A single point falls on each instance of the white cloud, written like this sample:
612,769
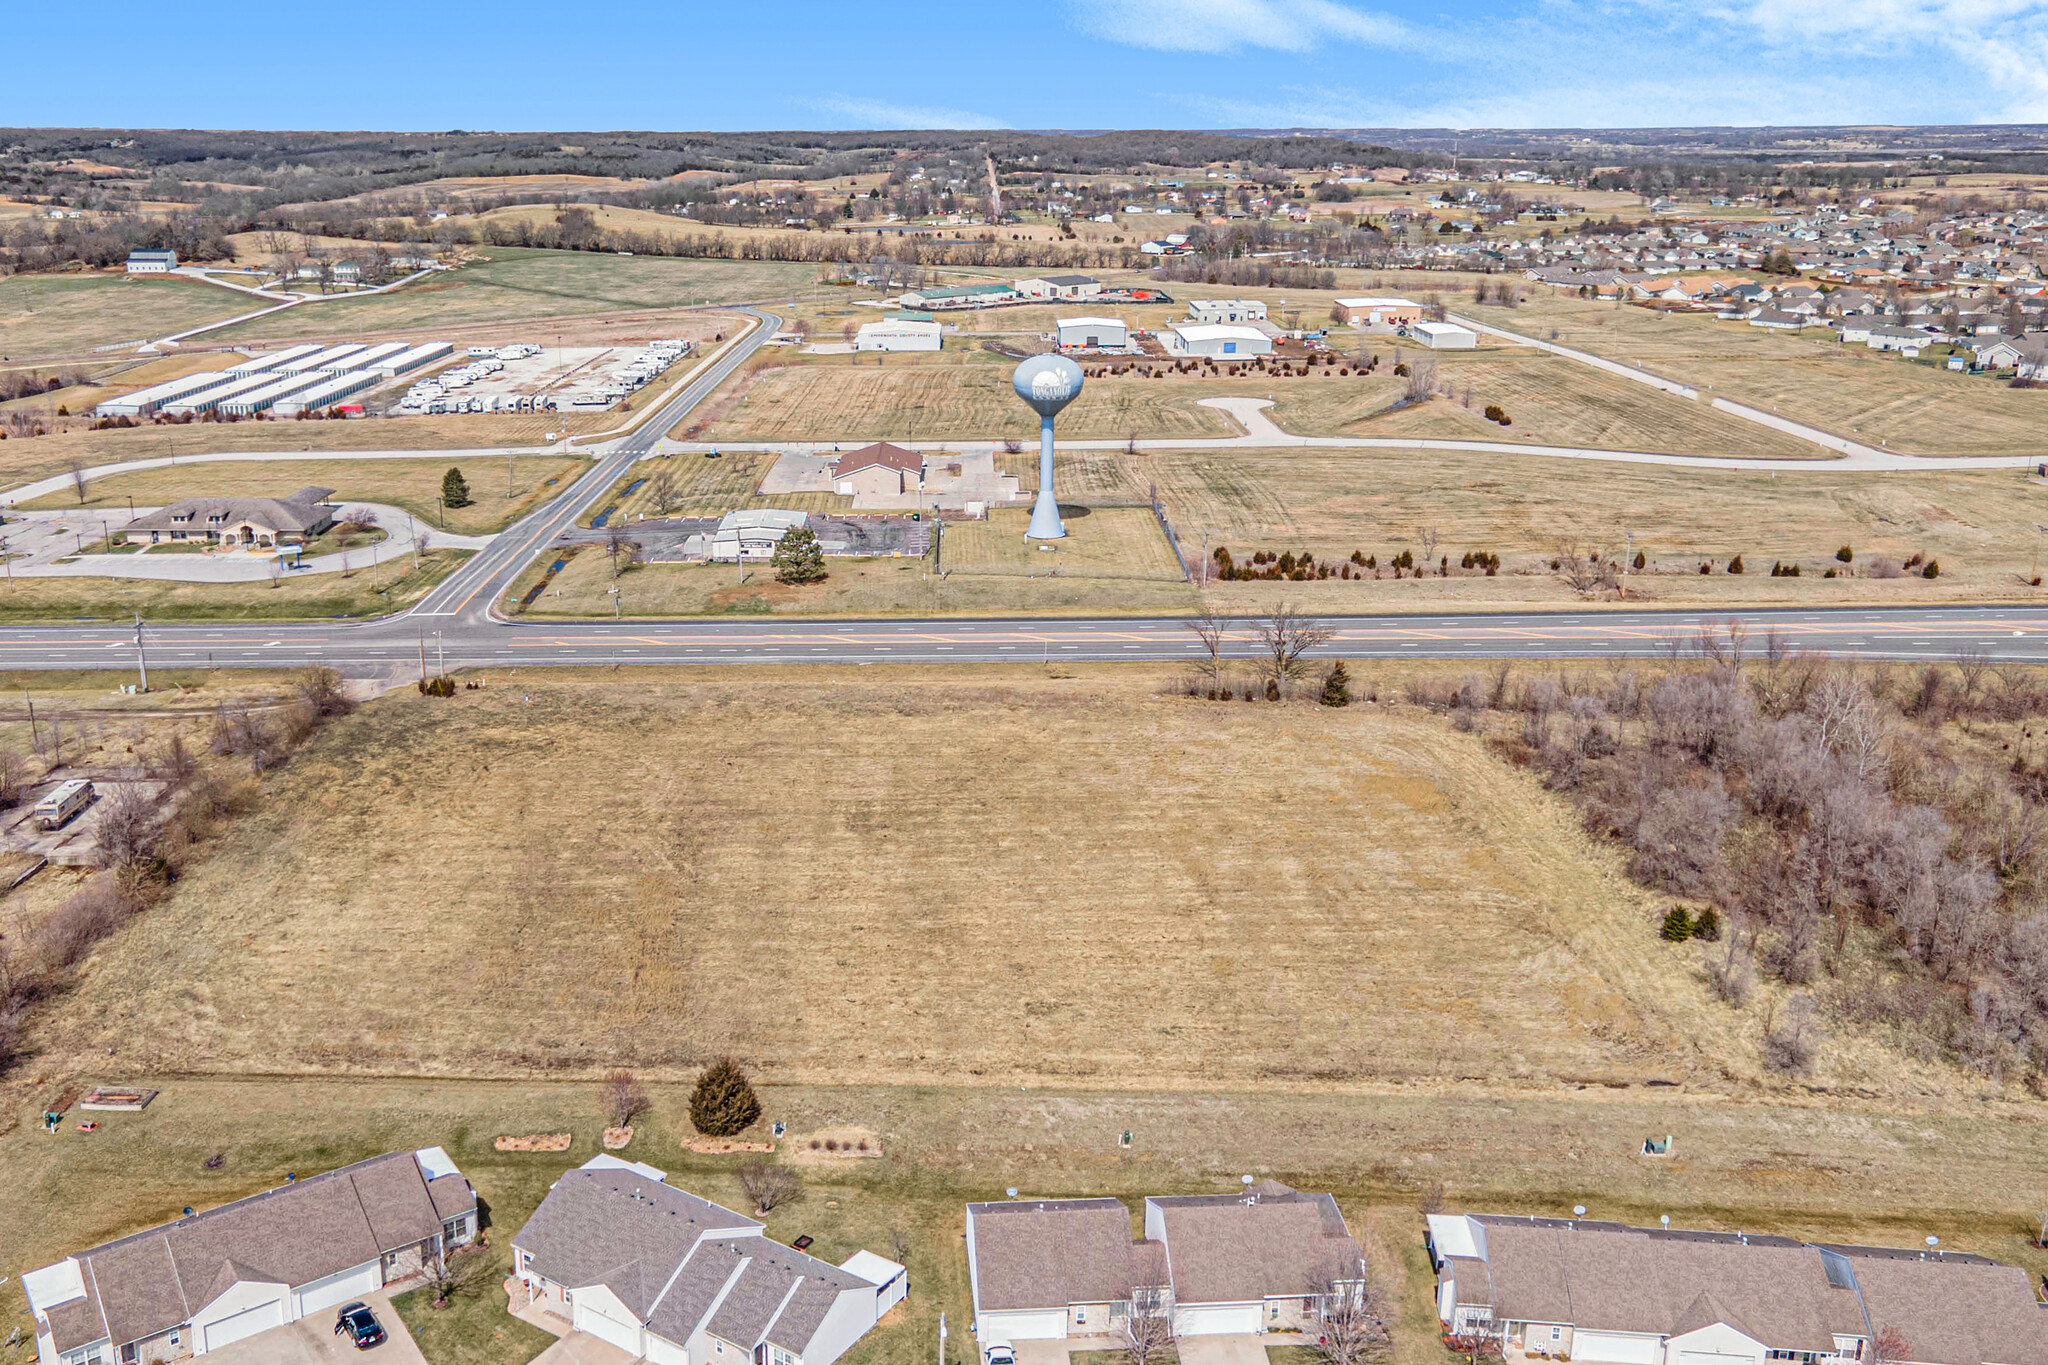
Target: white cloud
1227,25
881,115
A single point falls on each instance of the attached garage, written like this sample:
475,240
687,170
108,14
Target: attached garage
246,1323
625,1336
1626,1348
339,1289
1000,1329
1216,1319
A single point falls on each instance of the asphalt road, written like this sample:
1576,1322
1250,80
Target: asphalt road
392,647
456,624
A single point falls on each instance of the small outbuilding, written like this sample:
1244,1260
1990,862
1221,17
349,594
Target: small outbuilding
896,335
1379,312
1093,334
1220,341
1444,336
152,262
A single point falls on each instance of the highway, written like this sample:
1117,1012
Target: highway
457,621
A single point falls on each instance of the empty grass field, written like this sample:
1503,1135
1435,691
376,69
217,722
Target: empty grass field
68,315
511,284
1850,390
296,597
499,495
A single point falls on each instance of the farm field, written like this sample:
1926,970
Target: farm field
511,284
414,485
1850,390
48,316
299,597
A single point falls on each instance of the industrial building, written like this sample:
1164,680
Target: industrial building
264,364
143,402
1092,334
326,393
406,361
259,399
1219,341
1060,287
205,400
1226,310
898,336
152,262
324,361
1379,312
1443,336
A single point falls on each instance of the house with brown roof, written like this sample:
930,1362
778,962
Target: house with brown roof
1259,1261
298,516
212,1278
1607,1292
617,1252
878,470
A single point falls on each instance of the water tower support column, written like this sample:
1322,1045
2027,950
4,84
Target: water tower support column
1045,513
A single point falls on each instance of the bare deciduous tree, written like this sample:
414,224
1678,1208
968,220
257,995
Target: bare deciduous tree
1421,378
662,491
1147,1326
769,1186
1350,1326
457,1270
624,1097
1286,636
1212,631
127,829
77,469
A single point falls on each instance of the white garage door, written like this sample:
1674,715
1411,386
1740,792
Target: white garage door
622,1335
1214,1321
338,1289
246,1323
1624,1347
1000,1329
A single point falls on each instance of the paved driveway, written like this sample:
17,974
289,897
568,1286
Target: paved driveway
580,1348
311,1341
1229,1348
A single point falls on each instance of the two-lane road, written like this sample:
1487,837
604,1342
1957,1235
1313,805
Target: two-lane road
470,640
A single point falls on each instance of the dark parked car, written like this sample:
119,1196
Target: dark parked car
360,1324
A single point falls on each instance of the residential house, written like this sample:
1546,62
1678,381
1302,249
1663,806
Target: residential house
1607,1292
1264,1260
209,1279
1779,320
879,469
297,517
674,1279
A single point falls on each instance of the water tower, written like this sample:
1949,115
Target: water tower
1048,383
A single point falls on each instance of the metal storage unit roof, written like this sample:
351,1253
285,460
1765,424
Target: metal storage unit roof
326,393
368,359
207,399
412,359
156,395
257,399
260,364
319,359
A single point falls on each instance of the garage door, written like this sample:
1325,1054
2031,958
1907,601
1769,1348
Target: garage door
336,1289
1000,1329
1213,1321
246,1323
1624,1347
625,1336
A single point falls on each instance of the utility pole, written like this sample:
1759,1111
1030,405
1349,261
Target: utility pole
32,741
141,660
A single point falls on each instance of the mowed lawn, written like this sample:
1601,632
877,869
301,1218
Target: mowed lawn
500,490
1002,879
68,315
511,284
366,591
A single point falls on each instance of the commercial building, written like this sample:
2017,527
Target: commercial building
1443,336
961,296
213,1278
1226,310
1607,1292
143,402
269,363
299,516
898,336
878,469
1217,341
1060,287
152,262
1092,334
1379,312
409,360
326,393
322,361
670,1278
249,402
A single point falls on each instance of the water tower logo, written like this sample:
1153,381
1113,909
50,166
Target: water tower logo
1048,383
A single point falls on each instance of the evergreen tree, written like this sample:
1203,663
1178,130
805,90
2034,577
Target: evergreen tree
454,489
1336,686
1678,926
1707,925
723,1103
797,558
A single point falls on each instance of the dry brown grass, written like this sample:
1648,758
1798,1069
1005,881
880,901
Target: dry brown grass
364,591
1237,860
68,315
414,485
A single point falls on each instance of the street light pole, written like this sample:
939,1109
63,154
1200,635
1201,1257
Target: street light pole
141,659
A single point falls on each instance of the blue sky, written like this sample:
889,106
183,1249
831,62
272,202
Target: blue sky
519,64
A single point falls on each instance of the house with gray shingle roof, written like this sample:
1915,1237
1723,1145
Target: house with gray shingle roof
1259,1261
1607,1292
211,1278
617,1252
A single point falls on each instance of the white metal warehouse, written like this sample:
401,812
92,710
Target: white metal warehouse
893,335
1093,334
1219,341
